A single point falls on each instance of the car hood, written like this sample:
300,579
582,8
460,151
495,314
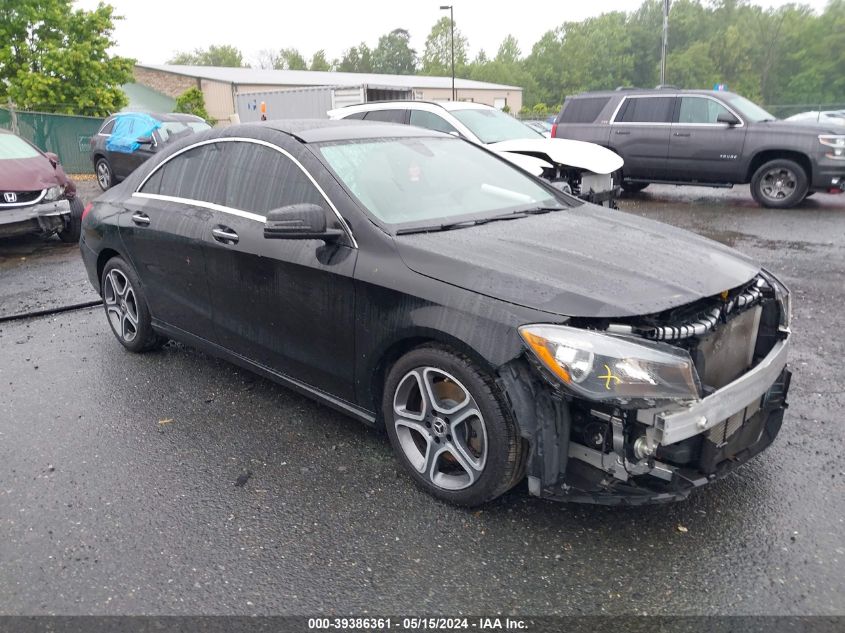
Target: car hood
531,164
583,262
29,174
589,156
799,127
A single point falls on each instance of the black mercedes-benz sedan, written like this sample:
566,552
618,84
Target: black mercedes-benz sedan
497,328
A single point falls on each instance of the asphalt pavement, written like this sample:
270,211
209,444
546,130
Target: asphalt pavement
119,476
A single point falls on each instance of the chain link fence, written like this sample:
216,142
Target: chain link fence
67,136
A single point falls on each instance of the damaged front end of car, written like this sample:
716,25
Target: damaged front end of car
646,409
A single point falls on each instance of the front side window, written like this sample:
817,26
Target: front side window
700,110
412,180
431,121
646,110
259,179
107,128
492,126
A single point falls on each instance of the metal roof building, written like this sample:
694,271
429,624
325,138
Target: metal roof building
221,86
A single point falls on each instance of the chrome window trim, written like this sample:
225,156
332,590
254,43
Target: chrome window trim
721,103
24,204
202,203
613,120
245,214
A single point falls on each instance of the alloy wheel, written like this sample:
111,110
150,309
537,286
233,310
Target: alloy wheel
440,428
103,174
121,305
778,184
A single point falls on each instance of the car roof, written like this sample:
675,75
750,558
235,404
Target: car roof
163,116
321,130
397,104
636,92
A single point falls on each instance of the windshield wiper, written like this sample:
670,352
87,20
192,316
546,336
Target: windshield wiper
448,226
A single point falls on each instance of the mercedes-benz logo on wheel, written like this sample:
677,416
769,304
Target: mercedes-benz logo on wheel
10,196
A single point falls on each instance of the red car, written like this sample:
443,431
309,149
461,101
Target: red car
36,196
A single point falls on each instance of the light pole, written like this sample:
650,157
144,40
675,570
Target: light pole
665,42
452,23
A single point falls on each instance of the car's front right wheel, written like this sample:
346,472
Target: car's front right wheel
450,428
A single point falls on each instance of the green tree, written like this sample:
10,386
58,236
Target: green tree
214,55
358,59
192,101
319,61
55,59
437,57
394,54
509,52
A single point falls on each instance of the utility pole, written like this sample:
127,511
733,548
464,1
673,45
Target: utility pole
665,42
452,23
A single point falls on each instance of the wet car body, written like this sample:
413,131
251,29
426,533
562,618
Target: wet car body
329,318
36,196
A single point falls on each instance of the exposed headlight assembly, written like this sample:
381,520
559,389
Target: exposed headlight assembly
53,193
613,369
837,142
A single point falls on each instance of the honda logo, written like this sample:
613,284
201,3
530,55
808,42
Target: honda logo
10,196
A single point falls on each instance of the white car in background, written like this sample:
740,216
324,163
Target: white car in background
830,117
583,169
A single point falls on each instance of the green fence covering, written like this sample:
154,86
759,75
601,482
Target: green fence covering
66,136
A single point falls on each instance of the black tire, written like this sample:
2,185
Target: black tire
70,234
104,173
779,184
634,187
808,194
120,307
502,464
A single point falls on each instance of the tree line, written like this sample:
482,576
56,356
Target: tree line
56,58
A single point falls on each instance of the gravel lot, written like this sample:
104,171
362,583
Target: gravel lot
118,495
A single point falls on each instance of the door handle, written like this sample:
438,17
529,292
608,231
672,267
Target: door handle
141,219
224,234
682,134
622,132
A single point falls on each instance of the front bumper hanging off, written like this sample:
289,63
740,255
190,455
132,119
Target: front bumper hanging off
46,218
726,429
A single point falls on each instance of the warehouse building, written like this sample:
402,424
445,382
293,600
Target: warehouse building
226,89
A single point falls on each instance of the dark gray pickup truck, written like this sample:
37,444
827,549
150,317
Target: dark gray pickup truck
711,138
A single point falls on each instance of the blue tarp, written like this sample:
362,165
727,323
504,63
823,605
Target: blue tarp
128,128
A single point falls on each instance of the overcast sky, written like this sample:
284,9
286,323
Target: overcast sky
153,30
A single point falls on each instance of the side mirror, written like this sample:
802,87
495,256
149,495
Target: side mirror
727,117
53,158
299,222
144,140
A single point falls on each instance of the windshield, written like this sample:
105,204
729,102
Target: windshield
748,109
174,129
491,125
405,181
14,148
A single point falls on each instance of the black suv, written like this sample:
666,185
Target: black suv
705,137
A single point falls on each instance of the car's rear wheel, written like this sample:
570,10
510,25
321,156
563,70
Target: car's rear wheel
105,177
126,307
450,428
779,184
73,229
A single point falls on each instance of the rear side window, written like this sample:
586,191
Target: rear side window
356,115
646,110
387,116
431,121
584,110
259,179
198,174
